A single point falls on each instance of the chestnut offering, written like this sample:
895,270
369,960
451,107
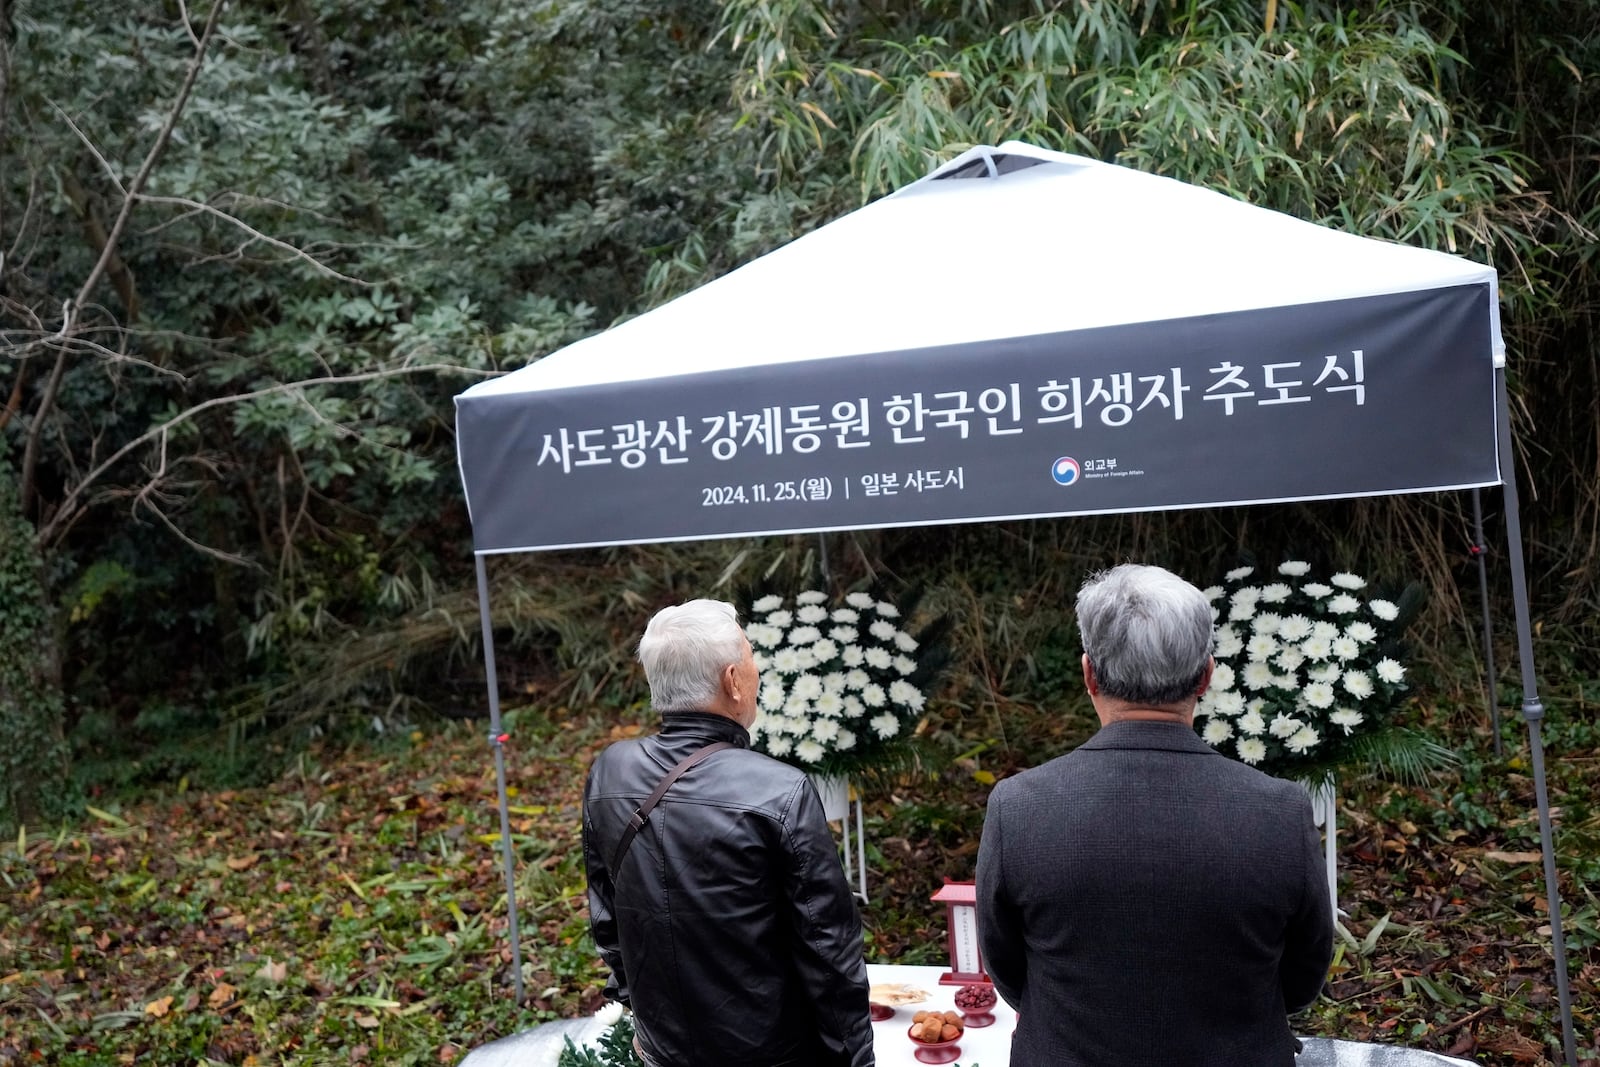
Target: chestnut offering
975,998
936,1026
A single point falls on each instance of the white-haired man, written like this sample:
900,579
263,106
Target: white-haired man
1144,900
726,921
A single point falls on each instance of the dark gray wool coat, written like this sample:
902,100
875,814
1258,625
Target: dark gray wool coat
1146,900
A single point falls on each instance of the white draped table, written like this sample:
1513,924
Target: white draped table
989,1046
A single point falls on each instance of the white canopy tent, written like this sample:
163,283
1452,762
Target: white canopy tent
1020,334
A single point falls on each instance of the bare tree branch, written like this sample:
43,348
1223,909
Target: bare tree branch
30,454
28,211
255,234
111,355
5,104
188,23
49,530
94,150
344,431
145,497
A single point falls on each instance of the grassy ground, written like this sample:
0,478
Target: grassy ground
353,911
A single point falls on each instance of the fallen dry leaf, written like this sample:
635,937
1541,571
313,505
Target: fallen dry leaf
222,996
272,971
1514,857
367,1022
158,1008
242,863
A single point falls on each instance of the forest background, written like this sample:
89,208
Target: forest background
251,249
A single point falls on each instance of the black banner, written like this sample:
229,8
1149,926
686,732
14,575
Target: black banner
1378,395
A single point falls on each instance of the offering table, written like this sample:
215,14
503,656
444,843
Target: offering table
989,1046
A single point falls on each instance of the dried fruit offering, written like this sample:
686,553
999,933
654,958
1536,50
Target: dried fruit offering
975,998
933,1026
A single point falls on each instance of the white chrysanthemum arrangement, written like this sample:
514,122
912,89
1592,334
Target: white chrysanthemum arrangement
1307,671
842,685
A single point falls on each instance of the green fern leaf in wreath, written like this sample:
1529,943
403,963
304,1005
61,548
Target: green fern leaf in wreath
613,1049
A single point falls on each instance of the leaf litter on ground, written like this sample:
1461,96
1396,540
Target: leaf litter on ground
354,911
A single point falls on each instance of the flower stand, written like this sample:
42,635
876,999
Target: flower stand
1324,810
837,797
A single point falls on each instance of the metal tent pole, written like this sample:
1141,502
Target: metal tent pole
1480,551
497,741
1532,709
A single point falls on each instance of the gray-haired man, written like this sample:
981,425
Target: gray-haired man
726,922
1143,900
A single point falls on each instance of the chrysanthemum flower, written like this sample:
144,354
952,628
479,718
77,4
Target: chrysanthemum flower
1348,718
1357,684
1361,631
804,635
1303,740
1257,675
1294,628
1319,695
1284,726
1227,702
1344,604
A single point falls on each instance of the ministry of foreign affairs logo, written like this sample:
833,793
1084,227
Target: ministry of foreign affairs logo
1065,471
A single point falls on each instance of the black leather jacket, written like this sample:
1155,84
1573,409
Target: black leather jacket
728,927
